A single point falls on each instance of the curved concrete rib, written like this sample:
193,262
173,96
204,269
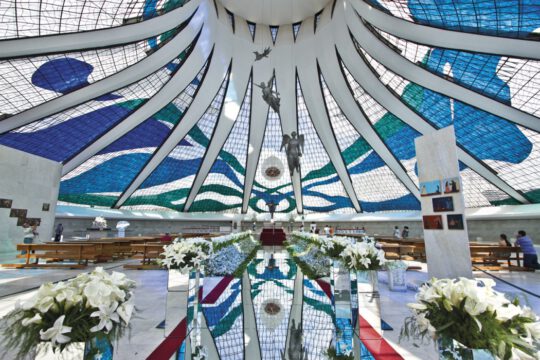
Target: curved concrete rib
97,38
400,65
336,82
369,81
236,93
450,39
313,96
262,71
114,82
209,88
286,86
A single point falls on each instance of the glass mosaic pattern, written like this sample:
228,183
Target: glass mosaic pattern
224,186
28,84
507,148
103,178
49,17
508,18
168,186
377,187
322,190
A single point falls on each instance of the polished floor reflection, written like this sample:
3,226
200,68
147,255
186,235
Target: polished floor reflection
261,315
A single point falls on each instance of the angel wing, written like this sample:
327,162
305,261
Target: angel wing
286,139
301,140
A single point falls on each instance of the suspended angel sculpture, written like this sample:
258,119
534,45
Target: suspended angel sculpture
294,147
264,54
269,96
271,208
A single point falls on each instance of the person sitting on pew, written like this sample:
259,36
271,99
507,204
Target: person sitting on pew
167,238
503,241
530,258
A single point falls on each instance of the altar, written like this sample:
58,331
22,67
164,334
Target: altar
272,236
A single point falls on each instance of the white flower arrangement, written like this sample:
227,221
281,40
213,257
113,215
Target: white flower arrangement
96,304
225,240
334,246
99,222
363,256
186,254
476,316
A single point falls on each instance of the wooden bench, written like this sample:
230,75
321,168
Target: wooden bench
492,256
148,253
79,254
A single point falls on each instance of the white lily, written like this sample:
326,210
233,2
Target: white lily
106,314
36,319
56,333
125,311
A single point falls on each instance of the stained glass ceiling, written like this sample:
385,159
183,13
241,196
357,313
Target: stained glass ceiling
159,104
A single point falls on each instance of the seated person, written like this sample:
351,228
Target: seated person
405,232
503,241
167,238
530,258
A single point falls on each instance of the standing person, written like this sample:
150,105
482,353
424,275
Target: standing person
35,233
397,233
58,232
302,228
530,258
327,230
331,231
405,232
28,237
313,226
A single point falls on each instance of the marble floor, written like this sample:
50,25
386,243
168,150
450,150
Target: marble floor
150,300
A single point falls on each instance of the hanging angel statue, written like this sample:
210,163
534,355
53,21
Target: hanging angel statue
294,147
269,96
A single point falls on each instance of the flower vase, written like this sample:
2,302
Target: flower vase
369,309
194,310
177,300
98,348
450,349
341,300
397,279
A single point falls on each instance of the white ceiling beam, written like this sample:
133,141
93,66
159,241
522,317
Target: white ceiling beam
450,39
283,58
338,86
114,82
118,35
208,90
262,71
400,65
313,96
369,81
236,93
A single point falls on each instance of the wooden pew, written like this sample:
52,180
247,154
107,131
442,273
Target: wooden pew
491,256
148,253
80,254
